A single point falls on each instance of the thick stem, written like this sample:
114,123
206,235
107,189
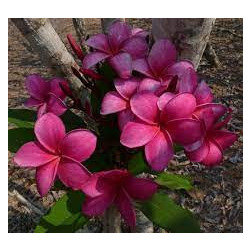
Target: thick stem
46,42
112,221
190,35
81,31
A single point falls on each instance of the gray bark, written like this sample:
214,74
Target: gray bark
81,31
112,221
190,35
46,42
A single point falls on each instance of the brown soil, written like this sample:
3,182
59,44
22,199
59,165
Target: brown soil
218,200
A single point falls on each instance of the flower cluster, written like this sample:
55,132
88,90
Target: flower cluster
159,103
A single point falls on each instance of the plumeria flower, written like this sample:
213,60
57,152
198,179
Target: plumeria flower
160,67
209,150
56,153
159,124
47,96
119,101
117,187
119,47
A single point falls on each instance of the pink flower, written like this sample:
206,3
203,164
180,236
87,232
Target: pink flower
57,153
209,150
75,47
118,48
46,95
119,101
159,124
118,187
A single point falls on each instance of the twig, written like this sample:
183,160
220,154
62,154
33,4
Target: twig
24,201
211,56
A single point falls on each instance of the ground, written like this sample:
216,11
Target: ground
217,200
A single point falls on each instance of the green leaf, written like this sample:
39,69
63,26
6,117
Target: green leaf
23,118
72,121
137,164
163,211
98,162
19,136
177,148
65,216
174,181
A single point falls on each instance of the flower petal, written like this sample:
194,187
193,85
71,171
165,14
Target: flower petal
144,106
159,151
209,113
78,144
118,32
136,47
181,106
95,206
72,173
122,64
199,154
150,85
42,109
223,138
30,102
142,66
93,58
139,32
187,77
124,117
55,105
164,99
214,155
99,42
55,87
184,131
113,103
126,88
140,188
124,205
203,93
36,86
136,134
32,154
50,131
162,54
45,176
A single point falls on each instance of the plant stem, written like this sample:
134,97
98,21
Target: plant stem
112,221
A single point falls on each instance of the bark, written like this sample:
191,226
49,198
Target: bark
106,22
81,31
45,41
80,28
190,35
112,221
211,56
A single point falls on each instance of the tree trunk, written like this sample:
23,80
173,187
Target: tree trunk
112,221
190,35
106,22
46,42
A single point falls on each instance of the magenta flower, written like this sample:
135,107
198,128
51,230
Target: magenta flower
160,124
118,48
209,150
57,153
46,95
161,67
118,187
119,101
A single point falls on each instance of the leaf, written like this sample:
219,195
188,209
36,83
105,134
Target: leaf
163,211
65,216
23,118
177,148
98,162
137,164
72,121
19,136
174,181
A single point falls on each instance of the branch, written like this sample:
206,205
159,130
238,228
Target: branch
81,31
47,43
